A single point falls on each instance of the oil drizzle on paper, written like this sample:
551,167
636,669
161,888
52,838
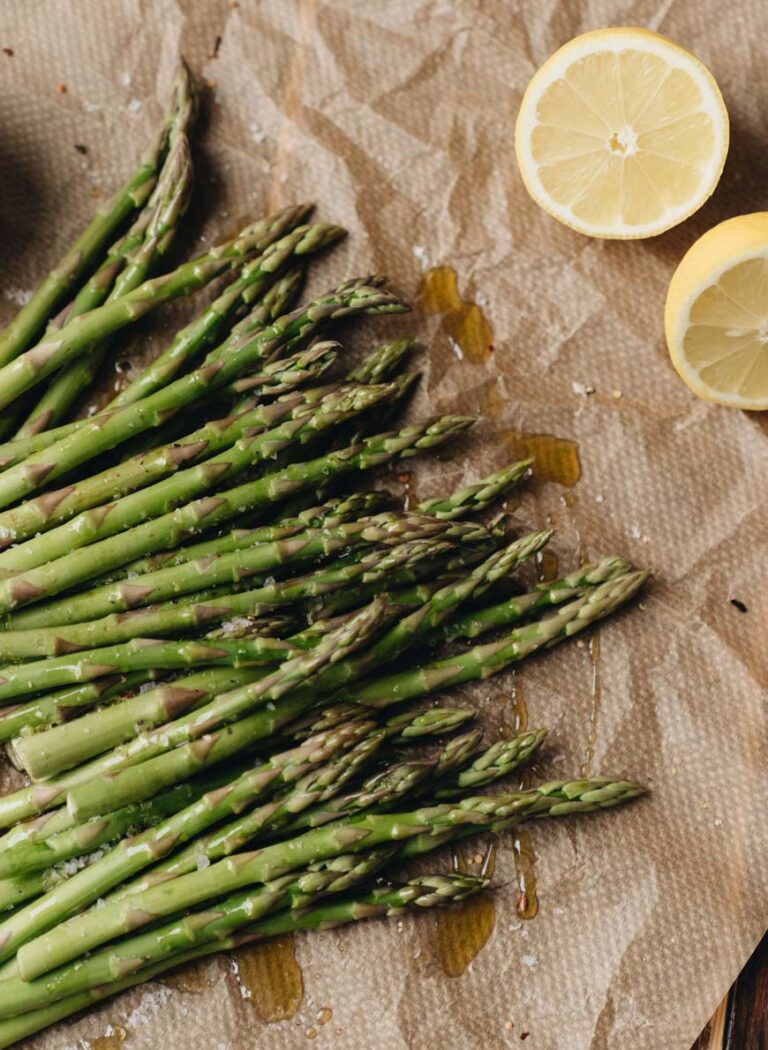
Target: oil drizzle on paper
462,320
527,901
270,978
596,695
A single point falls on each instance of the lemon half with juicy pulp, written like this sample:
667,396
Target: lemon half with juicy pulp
621,133
716,314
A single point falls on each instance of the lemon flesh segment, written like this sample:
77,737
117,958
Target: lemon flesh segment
716,314
621,133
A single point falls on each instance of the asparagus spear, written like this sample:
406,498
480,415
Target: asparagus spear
141,470
442,604
332,513
214,569
477,497
85,252
169,529
141,253
141,654
134,854
66,838
241,442
45,754
64,704
484,660
209,735
253,282
425,891
55,507
195,337
381,365
382,788
275,301
543,596
444,777
199,610
112,428
34,365
497,761
182,734
86,931
225,840
42,797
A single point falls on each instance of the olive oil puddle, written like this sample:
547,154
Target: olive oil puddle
191,980
462,320
270,978
462,930
547,566
112,1039
556,459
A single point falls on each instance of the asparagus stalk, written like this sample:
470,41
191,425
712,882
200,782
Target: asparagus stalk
254,281
238,442
425,891
45,754
214,569
107,550
202,738
60,349
86,250
141,654
477,497
196,336
481,661
112,428
497,761
35,516
65,704
132,855
174,746
94,927
380,789
66,838
442,604
394,783
141,253
225,840
335,512
169,529
40,798
200,609
543,596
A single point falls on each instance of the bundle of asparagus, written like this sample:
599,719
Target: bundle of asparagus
204,635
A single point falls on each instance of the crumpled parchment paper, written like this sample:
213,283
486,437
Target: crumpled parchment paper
397,118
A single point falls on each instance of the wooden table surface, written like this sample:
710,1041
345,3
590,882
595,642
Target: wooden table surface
741,1020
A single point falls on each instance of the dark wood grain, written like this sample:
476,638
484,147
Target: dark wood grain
742,1023
747,1024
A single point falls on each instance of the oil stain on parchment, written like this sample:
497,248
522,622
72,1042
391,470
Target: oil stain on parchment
461,320
270,978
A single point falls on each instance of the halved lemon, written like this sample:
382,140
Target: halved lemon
621,133
716,315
